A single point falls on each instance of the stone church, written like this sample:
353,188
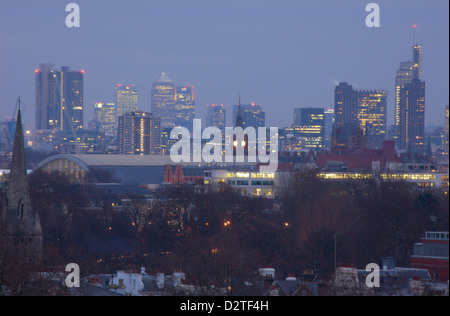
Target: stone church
19,220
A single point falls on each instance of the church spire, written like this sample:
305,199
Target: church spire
18,183
18,214
239,119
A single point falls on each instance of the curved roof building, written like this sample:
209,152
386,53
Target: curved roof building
124,169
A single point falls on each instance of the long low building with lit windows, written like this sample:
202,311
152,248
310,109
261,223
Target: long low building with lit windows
155,170
253,183
429,179
247,182
137,170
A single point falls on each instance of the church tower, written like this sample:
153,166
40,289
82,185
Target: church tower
240,123
18,216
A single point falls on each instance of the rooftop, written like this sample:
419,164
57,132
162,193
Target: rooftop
163,79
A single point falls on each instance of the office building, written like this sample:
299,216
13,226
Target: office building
185,107
105,116
361,114
252,115
126,99
311,123
407,71
166,142
7,131
163,100
329,121
446,149
59,98
344,105
215,116
412,117
139,133
371,115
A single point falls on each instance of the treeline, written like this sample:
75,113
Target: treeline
220,237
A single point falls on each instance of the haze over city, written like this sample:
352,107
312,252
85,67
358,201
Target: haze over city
280,54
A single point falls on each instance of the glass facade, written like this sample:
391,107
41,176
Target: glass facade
70,168
126,97
311,127
252,115
105,115
185,107
372,116
59,98
405,74
163,101
412,116
215,116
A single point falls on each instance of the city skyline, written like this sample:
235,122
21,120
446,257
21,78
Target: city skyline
220,70
225,148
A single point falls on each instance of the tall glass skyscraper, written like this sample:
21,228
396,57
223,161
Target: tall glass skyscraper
446,132
360,111
215,116
126,99
371,115
344,105
329,121
412,116
163,100
184,106
105,116
311,123
59,98
407,71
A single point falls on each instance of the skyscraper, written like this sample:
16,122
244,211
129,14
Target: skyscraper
126,99
417,61
344,105
184,106
408,71
412,116
105,116
311,122
329,121
252,115
371,110
139,133
215,116
404,75
361,112
59,98
163,100
446,136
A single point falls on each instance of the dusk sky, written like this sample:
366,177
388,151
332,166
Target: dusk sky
279,53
